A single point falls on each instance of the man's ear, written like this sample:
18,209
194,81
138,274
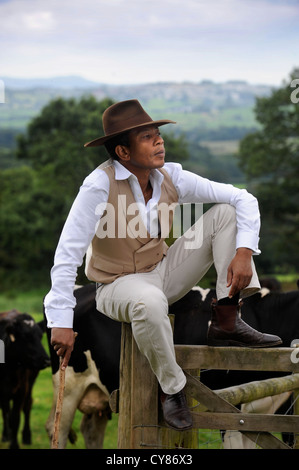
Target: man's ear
122,152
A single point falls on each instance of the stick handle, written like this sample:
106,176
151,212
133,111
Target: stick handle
54,444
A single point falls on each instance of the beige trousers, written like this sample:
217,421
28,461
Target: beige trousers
142,299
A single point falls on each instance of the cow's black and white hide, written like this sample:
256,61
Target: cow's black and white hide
92,374
271,283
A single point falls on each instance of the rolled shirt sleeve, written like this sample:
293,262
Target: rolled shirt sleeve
193,188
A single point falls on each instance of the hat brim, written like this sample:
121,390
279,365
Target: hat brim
102,140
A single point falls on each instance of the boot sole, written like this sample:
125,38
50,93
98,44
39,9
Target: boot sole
229,342
187,428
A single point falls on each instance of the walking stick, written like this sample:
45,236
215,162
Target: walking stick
59,402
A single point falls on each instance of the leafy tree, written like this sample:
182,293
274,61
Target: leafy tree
270,159
176,147
54,140
29,219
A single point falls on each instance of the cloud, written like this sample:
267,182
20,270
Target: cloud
39,21
134,40
132,18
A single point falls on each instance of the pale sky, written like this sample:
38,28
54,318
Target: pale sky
142,41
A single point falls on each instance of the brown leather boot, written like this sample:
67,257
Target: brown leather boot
228,329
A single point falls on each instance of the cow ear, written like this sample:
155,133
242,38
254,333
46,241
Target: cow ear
10,331
12,338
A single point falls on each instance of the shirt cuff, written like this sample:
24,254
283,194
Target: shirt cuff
248,240
59,318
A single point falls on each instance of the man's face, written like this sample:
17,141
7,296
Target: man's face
146,149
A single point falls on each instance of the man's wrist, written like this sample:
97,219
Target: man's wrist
244,252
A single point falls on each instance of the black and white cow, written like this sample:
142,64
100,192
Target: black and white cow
24,357
94,363
92,374
271,283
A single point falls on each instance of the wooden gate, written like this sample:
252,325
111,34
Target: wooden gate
137,400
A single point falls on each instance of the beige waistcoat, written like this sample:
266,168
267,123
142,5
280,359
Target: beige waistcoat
122,244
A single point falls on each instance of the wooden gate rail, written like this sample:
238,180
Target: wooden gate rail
141,423
233,358
251,391
217,404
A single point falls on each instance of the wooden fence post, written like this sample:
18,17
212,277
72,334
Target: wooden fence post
140,424
172,439
296,412
138,398
124,421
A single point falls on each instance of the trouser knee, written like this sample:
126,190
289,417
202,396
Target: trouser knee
152,306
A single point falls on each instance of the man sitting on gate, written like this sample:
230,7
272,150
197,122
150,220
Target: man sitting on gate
137,275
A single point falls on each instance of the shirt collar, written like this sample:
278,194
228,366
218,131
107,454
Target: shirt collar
122,173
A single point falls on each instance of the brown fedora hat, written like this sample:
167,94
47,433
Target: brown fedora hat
122,117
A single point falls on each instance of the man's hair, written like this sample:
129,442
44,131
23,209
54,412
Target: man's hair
121,139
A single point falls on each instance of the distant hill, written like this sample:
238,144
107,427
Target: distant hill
54,82
205,105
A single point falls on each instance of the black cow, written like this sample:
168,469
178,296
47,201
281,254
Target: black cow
98,348
24,357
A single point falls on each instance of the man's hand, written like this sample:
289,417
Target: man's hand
239,272
62,340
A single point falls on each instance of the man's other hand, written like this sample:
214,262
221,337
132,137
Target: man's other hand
239,272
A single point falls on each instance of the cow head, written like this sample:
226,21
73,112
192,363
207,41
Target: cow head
22,338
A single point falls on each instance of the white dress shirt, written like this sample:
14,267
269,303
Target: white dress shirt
82,221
